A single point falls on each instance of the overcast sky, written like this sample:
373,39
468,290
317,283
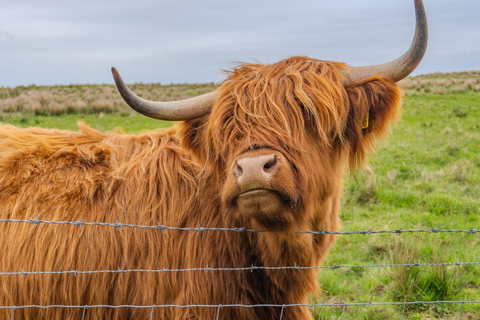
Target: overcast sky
47,42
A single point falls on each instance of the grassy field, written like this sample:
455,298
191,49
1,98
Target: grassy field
427,175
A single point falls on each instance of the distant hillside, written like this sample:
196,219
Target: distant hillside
442,83
87,99
90,99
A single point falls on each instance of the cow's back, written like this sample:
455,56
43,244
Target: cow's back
54,175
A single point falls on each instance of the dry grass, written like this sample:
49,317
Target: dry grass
85,99
442,83
88,99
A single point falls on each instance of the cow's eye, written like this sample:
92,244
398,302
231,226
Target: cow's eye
256,147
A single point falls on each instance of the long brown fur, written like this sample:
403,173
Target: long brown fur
179,177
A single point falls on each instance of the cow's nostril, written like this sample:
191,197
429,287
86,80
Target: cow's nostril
237,170
257,169
270,164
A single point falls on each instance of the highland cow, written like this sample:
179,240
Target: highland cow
267,150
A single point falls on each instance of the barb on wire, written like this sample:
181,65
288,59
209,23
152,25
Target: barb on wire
119,226
252,268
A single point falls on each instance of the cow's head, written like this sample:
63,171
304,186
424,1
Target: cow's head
277,136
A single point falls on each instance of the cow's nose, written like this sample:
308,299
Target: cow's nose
256,172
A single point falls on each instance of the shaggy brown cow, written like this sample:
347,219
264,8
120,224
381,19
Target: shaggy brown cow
265,151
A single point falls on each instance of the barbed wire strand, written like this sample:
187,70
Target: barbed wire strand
163,227
354,304
251,268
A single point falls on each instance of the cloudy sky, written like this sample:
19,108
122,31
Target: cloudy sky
48,42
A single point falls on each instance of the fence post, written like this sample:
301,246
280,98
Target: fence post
461,310
403,313
344,307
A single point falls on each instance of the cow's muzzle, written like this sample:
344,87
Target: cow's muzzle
255,173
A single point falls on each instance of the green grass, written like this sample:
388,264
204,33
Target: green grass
427,175
104,121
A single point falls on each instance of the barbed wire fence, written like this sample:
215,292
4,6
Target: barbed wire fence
282,307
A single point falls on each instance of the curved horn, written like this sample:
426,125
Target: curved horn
400,67
169,110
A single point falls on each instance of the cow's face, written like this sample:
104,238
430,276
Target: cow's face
264,185
275,136
278,138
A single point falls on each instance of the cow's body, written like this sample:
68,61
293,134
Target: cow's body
143,180
63,176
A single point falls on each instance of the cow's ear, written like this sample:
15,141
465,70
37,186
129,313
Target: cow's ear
374,104
192,133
